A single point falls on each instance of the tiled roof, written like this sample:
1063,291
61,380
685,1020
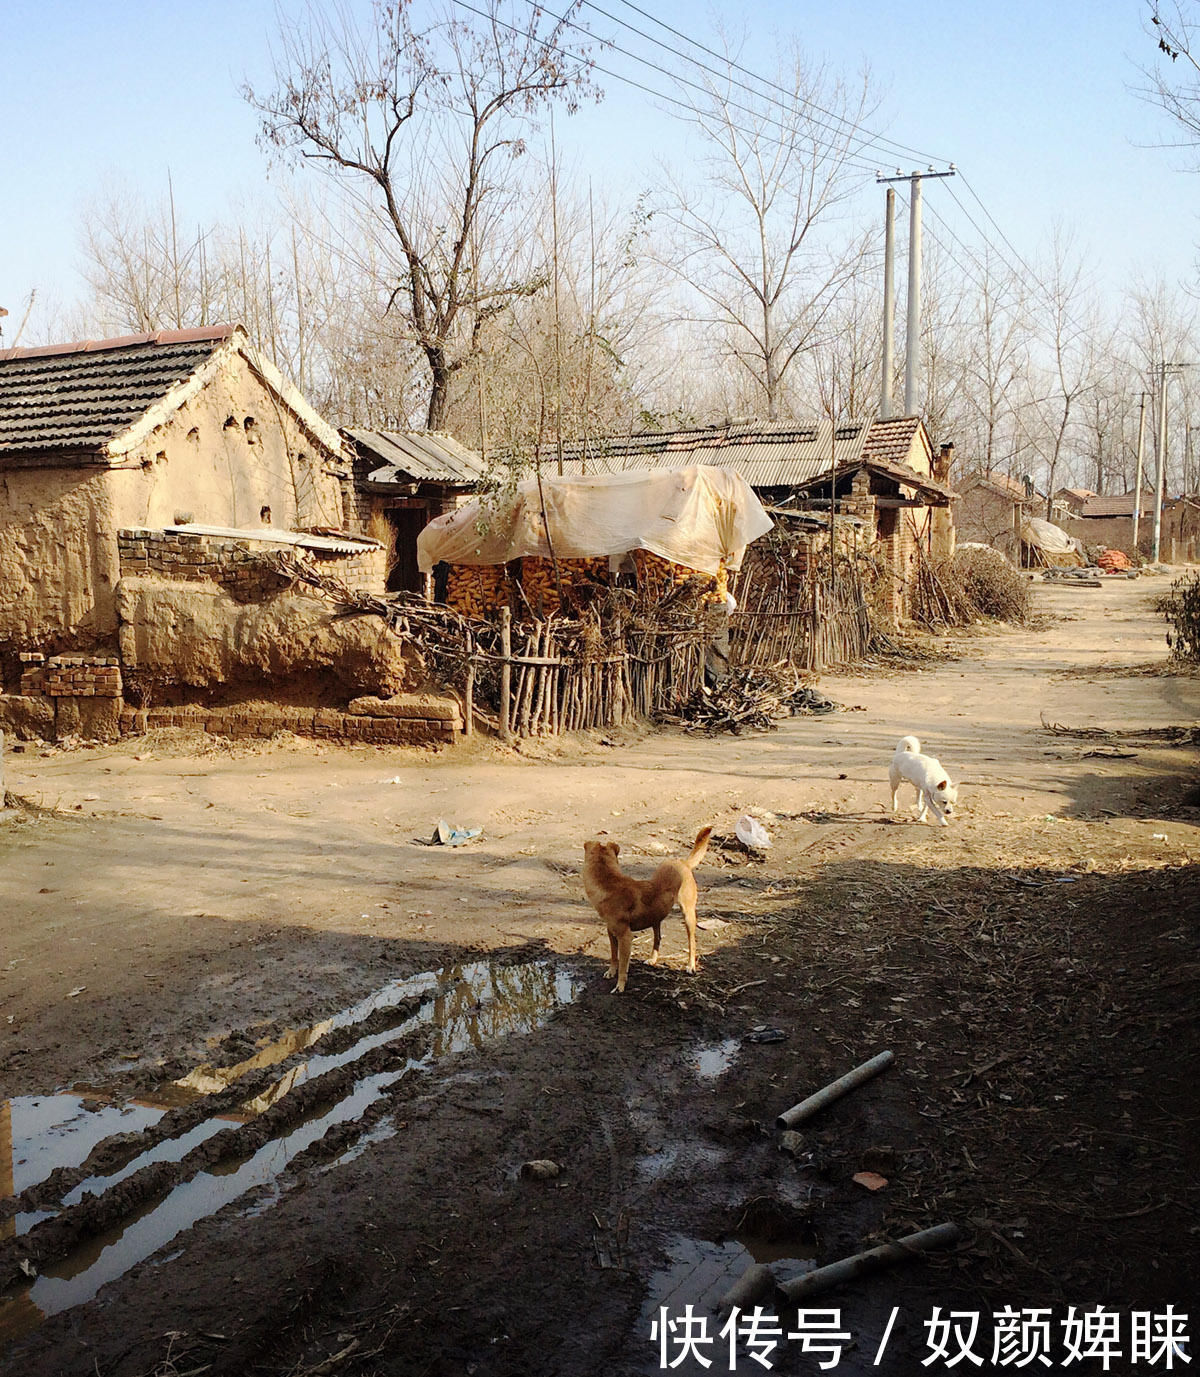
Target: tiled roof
766,454
928,489
1117,505
425,455
999,483
891,440
78,397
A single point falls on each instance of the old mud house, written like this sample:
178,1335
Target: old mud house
989,509
151,489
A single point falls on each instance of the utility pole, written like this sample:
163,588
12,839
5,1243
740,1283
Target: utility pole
889,307
1160,477
912,330
1137,484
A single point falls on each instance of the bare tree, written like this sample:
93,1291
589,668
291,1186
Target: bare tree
996,363
145,271
572,364
1071,345
756,242
424,130
843,375
1174,82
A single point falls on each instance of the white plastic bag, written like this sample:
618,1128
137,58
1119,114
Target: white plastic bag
751,833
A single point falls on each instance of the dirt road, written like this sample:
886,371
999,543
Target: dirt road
308,1053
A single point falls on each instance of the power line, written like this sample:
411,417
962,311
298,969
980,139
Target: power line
876,140
650,90
842,127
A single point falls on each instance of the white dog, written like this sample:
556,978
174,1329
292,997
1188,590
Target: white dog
927,777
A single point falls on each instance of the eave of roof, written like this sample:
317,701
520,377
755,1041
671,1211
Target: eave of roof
95,400
427,456
767,455
270,535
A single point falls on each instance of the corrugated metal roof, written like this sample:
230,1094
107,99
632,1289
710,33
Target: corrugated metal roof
81,396
767,455
429,456
268,535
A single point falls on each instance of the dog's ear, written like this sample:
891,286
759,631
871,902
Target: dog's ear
945,784
616,848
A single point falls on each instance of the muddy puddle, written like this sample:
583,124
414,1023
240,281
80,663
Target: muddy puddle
332,1075
698,1274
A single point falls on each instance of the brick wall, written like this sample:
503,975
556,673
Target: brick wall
70,676
330,724
237,564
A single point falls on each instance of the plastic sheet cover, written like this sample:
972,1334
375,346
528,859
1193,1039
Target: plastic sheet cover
698,517
1044,535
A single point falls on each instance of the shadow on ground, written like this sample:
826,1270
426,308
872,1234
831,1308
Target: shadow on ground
1042,1097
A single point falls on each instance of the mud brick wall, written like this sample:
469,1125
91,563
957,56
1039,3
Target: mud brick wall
237,564
323,723
71,676
365,572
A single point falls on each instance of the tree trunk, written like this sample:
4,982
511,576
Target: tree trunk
439,394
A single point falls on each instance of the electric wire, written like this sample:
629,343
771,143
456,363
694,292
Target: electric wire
849,160
843,127
880,141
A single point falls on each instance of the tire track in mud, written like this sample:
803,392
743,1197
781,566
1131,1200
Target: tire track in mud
304,1109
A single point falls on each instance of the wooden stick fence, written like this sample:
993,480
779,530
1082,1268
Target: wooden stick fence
565,681
631,660
793,612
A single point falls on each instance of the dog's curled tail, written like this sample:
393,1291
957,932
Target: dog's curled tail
700,847
909,744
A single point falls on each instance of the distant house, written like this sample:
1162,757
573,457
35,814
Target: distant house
1069,502
989,508
402,480
1107,521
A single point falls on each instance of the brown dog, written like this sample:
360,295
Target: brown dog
628,905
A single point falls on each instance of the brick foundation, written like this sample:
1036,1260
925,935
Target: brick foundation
329,724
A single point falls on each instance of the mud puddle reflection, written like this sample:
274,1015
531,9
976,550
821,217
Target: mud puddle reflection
698,1275
458,1009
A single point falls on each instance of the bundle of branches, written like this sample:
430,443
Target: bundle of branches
1180,607
992,584
940,598
750,698
444,639
978,582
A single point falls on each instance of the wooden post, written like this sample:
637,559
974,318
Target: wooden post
505,673
469,689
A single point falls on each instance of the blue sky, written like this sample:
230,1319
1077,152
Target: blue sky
1032,101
